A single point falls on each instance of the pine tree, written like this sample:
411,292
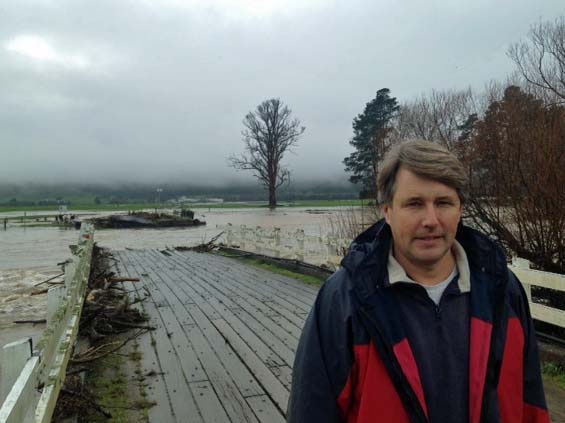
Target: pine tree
370,131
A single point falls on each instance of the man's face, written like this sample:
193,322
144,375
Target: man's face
423,216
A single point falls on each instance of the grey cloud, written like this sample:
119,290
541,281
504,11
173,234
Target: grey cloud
166,87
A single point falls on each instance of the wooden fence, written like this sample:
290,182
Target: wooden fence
31,377
328,251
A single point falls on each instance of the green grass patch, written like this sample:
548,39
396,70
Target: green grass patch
115,391
108,382
554,372
262,264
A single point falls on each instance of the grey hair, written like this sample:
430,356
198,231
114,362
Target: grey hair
425,159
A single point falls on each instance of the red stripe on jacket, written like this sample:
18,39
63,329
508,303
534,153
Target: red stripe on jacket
369,392
511,386
479,352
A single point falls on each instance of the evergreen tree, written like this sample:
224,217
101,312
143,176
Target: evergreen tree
370,131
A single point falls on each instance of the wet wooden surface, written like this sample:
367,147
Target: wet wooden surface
226,337
225,340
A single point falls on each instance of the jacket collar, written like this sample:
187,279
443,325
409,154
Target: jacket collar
396,272
369,252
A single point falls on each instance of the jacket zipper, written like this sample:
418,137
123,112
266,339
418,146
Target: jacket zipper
411,400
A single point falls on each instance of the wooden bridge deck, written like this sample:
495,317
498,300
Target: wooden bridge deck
225,340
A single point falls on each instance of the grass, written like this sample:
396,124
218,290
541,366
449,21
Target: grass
109,383
554,372
277,269
123,397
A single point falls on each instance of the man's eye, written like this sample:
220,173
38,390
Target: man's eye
445,203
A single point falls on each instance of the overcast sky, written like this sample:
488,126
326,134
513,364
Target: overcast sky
156,90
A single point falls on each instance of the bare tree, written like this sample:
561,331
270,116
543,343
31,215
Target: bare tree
541,58
268,133
437,116
516,161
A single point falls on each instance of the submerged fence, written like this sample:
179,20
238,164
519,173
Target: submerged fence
31,377
328,251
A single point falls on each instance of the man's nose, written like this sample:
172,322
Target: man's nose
430,217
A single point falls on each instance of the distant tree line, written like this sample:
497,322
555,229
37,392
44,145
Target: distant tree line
40,195
511,137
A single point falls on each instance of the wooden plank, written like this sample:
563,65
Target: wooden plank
16,406
548,314
284,374
539,278
264,327
267,339
254,294
283,351
265,410
266,281
222,380
155,387
275,389
211,407
165,363
299,288
279,325
241,274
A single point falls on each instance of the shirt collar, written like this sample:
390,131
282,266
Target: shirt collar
397,274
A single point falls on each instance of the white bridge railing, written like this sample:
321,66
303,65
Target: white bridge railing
328,251
319,250
31,378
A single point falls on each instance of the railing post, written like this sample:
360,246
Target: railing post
300,241
229,235
242,237
14,358
55,295
521,263
277,241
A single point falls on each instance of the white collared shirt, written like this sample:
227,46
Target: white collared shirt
396,273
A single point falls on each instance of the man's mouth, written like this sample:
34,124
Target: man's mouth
429,237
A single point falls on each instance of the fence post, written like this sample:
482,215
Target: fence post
277,241
521,263
14,358
55,295
229,235
300,241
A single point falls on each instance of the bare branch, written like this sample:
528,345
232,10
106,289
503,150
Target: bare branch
268,133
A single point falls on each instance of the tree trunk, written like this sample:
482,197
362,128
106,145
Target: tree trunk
272,197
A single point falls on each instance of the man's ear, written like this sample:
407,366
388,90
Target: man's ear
386,211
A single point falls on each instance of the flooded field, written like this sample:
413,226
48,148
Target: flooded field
29,255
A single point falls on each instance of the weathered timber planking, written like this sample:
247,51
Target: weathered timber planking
265,409
210,405
255,293
284,374
257,277
159,353
274,388
253,306
300,289
225,389
255,338
239,273
283,350
236,382
241,327
155,386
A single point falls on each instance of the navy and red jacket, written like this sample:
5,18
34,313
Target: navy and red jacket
355,363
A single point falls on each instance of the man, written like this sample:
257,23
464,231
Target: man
424,322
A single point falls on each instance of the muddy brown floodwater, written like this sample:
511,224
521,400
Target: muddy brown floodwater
30,255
